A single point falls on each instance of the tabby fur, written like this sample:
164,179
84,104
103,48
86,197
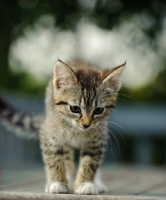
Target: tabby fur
79,99
75,96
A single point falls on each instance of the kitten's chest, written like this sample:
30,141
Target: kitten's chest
81,139
73,139
77,142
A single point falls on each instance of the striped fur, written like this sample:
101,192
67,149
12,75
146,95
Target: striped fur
22,124
79,99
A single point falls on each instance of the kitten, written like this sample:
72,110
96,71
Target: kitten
79,99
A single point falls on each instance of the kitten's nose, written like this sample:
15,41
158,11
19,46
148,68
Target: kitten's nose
85,125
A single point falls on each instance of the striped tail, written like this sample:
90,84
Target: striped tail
22,124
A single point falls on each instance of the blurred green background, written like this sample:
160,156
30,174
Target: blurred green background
34,33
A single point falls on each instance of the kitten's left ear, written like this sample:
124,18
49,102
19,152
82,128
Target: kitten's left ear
112,81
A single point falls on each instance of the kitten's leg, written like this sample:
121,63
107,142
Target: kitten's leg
55,169
90,160
69,165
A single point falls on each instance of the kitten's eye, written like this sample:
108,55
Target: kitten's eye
98,110
75,109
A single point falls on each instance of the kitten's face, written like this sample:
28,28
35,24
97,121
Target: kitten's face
84,112
83,96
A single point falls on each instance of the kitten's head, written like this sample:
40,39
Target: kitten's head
84,96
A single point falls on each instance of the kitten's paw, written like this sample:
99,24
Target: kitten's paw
56,188
101,187
87,188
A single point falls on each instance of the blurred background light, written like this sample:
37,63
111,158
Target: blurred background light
38,49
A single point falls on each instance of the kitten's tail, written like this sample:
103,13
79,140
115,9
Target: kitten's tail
22,124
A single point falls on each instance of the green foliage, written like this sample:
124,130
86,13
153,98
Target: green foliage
16,15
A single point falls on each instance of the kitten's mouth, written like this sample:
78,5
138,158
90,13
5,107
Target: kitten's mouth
85,127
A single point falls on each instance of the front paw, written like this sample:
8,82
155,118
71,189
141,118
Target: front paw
101,187
87,188
56,188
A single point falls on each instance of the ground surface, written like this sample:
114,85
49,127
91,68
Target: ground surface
27,182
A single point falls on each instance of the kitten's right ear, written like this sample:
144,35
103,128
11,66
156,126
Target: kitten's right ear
112,81
64,77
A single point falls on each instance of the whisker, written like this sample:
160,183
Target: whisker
110,124
125,96
121,99
116,110
119,133
118,125
117,142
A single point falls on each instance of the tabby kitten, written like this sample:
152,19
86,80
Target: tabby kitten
79,100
